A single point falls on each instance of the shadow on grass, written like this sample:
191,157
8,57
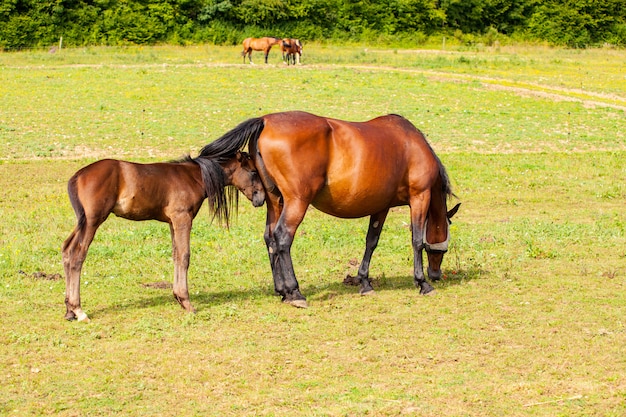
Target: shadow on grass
207,299
385,283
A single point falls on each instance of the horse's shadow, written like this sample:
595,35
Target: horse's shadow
209,299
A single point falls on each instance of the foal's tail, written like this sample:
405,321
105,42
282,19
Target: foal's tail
79,210
235,140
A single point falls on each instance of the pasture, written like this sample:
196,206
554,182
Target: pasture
530,319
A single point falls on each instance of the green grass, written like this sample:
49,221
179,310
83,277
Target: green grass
529,320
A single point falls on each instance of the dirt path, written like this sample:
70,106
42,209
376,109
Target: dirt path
587,98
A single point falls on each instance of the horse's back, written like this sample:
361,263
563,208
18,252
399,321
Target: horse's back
133,190
352,169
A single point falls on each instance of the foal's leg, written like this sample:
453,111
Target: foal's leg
280,244
180,229
419,207
74,253
371,241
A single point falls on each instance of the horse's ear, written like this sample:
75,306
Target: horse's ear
453,211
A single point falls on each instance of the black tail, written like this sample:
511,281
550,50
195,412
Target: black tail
225,147
445,180
218,152
79,210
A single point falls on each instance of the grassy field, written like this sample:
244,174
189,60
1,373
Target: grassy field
529,320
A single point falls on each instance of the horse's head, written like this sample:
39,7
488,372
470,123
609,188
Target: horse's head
439,233
242,174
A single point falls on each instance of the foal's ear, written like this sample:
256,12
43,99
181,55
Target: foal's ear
453,211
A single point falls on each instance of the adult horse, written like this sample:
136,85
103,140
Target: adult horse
348,170
168,192
291,50
258,44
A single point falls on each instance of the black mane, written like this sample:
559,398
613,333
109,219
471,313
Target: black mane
219,197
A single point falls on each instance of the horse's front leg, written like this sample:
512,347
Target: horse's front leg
419,208
377,221
180,229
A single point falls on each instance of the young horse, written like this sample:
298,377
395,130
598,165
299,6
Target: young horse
168,192
258,44
292,50
347,170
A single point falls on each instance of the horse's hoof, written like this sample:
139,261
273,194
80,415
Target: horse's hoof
83,317
297,303
70,316
429,293
367,292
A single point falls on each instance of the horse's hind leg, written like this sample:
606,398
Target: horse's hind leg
180,230
279,248
273,213
371,241
419,207
74,253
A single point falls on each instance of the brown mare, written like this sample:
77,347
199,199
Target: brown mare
292,50
348,170
170,192
258,44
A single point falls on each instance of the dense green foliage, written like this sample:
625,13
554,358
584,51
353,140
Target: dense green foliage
577,23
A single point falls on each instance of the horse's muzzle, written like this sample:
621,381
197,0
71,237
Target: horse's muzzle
258,198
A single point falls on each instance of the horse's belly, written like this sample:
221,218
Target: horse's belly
354,205
136,208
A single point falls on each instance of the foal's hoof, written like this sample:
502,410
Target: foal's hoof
83,317
297,303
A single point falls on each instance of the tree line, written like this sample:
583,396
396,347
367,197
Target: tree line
573,23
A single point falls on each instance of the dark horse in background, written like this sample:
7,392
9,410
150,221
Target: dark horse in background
292,50
168,192
348,170
258,44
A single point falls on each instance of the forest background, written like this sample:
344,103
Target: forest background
403,23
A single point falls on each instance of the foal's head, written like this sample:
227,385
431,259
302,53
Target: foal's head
241,172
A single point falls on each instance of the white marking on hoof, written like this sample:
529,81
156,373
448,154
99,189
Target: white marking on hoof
82,316
370,292
428,294
298,303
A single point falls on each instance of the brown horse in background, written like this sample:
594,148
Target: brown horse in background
168,192
258,44
347,170
291,50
